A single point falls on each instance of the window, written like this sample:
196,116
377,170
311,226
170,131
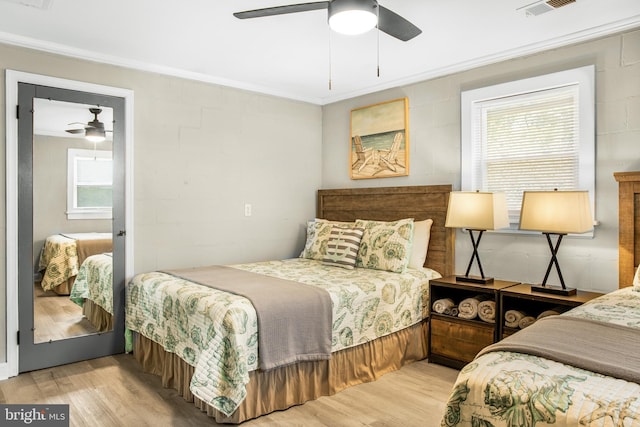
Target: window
89,184
532,134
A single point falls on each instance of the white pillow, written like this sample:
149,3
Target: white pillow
421,235
636,280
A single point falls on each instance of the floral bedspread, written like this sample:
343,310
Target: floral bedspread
518,390
95,282
59,260
216,332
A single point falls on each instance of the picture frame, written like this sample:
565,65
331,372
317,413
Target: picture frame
379,140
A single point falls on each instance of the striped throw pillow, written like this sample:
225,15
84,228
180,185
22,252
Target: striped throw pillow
342,247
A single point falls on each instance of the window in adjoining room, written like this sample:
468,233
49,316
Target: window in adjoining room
89,184
531,134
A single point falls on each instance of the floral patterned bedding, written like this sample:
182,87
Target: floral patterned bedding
95,282
216,332
519,390
60,261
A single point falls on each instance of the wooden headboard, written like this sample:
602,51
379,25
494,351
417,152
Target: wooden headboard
628,225
393,203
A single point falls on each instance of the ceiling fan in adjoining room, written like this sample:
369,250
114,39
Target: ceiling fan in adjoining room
93,130
347,17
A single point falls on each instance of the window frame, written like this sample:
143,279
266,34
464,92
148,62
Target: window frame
584,77
74,212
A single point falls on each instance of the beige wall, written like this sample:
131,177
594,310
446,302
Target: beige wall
201,152
435,155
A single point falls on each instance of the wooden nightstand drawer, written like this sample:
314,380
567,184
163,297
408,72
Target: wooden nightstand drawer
454,341
459,340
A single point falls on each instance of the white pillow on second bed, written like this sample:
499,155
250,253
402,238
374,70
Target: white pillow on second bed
421,236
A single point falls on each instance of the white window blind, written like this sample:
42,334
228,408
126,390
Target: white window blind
527,142
89,184
533,134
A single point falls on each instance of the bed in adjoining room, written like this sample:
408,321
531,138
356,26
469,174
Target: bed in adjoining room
93,290
362,278
579,368
63,254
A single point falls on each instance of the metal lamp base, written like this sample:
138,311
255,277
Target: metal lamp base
475,279
556,290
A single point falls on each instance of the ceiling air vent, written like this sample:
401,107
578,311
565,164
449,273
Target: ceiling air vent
541,7
38,4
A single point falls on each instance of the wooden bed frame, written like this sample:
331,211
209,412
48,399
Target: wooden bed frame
392,203
628,226
295,384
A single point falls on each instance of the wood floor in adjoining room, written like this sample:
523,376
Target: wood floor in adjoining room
113,391
56,317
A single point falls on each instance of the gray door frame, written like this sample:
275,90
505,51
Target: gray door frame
9,365
52,353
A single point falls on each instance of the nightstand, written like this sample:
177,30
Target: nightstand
522,299
454,341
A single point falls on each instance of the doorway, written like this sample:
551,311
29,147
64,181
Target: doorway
86,344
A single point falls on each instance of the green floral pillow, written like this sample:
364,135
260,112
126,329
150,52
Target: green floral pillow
385,245
318,233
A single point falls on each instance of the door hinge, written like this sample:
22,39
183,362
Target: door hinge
17,112
18,337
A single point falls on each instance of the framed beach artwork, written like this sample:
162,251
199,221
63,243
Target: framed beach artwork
380,140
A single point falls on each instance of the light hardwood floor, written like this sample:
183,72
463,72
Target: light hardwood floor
56,317
113,391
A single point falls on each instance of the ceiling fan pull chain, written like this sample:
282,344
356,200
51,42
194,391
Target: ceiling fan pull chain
330,54
378,38
378,65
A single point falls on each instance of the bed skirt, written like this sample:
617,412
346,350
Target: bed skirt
101,319
64,288
295,384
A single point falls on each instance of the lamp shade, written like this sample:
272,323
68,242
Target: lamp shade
559,212
477,210
353,17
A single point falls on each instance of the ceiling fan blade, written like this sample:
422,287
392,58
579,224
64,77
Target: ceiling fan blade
281,10
395,25
75,130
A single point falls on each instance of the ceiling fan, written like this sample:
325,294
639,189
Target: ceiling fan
347,17
93,130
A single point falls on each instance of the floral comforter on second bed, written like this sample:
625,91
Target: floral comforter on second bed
216,332
519,390
95,282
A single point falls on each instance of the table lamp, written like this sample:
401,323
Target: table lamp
476,211
560,213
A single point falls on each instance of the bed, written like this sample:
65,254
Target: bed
376,321
93,290
581,367
63,254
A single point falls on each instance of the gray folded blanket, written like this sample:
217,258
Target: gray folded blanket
605,348
294,319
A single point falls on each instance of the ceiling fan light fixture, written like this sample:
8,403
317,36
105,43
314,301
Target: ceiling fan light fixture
95,135
352,17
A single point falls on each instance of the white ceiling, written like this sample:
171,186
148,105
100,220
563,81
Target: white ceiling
293,55
53,118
